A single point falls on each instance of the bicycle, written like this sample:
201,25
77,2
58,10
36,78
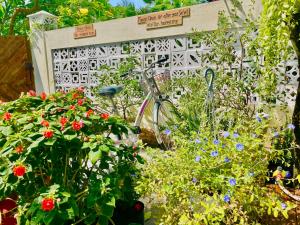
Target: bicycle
164,111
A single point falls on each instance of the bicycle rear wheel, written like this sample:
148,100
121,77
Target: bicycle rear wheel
164,117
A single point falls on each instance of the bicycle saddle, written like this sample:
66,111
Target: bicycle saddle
110,91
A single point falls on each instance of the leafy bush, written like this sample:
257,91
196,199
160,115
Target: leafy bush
215,179
58,157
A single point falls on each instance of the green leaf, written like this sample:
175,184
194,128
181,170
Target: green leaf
298,177
71,213
95,156
275,212
70,137
104,148
252,198
49,106
28,126
112,202
50,142
7,130
49,217
285,214
107,210
85,145
102,220
66,194
36,143
269,210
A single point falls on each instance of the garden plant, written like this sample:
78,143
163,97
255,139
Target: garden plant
61,160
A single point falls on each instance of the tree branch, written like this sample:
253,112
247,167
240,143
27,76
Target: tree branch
26,11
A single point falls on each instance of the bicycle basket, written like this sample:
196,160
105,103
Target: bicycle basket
163,80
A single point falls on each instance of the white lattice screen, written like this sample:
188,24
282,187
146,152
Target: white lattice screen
75,67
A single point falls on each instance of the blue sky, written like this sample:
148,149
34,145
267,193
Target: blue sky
138,3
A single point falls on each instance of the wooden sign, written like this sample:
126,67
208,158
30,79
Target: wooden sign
164,19
83,31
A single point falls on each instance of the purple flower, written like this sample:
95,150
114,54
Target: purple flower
288,174
197,141
194,180
283,205
236,135
258,118
226,134
232,181
167,132
291,126
276,134
239,146
265,115
214,153
227,160
216,142
226,198
197,159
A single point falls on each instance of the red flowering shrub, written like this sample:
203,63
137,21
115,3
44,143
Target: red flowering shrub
57,157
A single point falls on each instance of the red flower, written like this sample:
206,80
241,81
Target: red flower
32,93
134,154
48,204
104,116
75,95
19,171
80,102
88,113
7,116
19,149
45,123
77,125
48,133
63,121
138,206
72,107
43,96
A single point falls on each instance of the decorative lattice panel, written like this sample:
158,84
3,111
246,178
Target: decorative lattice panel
74,67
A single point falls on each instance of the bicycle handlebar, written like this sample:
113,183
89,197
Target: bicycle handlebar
161,60
125,74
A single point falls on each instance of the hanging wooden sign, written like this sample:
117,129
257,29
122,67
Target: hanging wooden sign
164,19
83,31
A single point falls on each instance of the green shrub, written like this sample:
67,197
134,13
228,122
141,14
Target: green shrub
215,179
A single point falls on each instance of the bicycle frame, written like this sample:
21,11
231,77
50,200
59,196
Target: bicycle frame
142,108
154,93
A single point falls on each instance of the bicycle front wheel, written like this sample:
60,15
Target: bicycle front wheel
164,117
